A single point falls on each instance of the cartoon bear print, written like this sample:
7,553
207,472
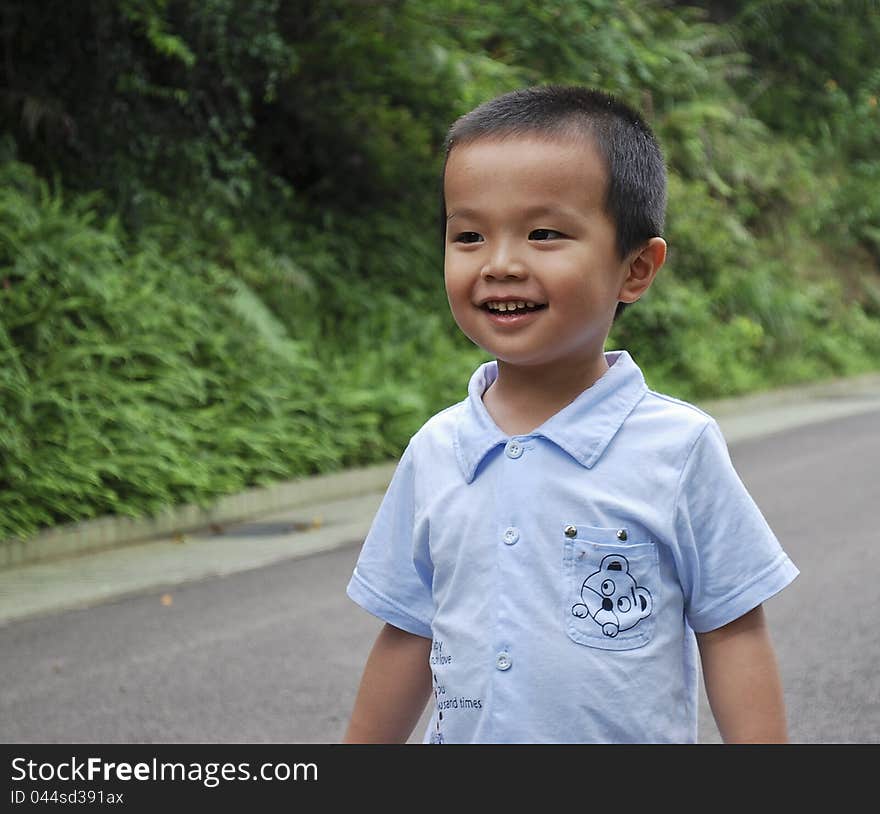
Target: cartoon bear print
612,598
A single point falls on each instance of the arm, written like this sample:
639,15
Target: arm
394,688
742,681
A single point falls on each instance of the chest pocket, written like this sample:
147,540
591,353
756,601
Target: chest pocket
610,588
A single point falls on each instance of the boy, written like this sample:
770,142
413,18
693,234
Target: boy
555,551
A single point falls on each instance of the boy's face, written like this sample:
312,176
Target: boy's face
526,224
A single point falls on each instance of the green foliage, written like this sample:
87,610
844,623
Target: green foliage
819,75
806,51
127,383
235,275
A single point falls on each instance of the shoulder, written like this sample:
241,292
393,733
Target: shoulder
662,416
439,425
666,437
437,434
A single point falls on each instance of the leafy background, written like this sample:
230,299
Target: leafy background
219,253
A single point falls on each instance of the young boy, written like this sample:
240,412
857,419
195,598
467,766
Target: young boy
555,551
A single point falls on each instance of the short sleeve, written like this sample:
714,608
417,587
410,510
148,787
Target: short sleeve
729,559
393,575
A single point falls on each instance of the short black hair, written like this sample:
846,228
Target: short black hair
636,195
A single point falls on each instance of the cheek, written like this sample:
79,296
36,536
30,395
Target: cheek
572,292
580,289
457,283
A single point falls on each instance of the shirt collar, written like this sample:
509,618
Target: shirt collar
583,428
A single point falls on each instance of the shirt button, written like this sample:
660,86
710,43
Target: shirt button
511,535
513,449
503,661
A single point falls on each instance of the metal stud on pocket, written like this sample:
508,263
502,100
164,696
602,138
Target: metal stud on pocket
621,534
571,531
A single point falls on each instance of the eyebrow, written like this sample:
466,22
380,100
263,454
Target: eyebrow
531,212
461,212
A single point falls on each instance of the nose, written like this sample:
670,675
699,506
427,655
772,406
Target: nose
502,264
606,604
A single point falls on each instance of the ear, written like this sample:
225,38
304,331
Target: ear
614,562
642,266
645,602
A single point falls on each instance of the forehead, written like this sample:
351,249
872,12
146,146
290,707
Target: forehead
539,170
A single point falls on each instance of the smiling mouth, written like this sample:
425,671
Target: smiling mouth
512,308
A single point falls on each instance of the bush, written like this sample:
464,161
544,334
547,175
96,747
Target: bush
128,383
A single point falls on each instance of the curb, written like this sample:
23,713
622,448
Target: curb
90,536
162,565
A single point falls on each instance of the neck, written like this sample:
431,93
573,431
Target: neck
524,397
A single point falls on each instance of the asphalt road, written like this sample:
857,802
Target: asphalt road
273,655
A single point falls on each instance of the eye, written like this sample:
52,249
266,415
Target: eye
544,234
607,587
623,604
468,237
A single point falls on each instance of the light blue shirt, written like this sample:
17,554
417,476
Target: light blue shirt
561,574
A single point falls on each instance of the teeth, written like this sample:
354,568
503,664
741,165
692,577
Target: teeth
509,306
